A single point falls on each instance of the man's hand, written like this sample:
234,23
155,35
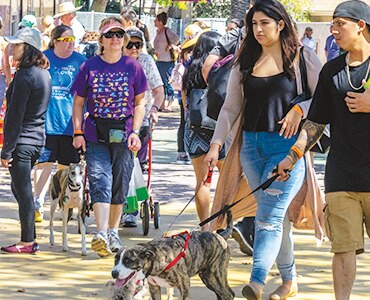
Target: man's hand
358,102
6,163
133,142
153,113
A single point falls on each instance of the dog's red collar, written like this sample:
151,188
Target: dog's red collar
182,253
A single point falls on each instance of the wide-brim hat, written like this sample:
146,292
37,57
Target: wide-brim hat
192,33
66,8
26,35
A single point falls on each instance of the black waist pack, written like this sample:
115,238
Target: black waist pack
110,131
198,119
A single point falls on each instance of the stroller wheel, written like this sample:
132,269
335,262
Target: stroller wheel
156,215
145,217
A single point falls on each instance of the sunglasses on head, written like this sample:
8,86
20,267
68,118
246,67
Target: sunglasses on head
66,39
111,34
138,45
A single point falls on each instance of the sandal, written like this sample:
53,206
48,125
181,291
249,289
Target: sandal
249,293
283,293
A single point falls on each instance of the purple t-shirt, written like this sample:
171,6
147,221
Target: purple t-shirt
110,90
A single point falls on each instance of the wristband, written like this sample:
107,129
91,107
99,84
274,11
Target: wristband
136,131
78,131
297,151
298,109
156,107
78,134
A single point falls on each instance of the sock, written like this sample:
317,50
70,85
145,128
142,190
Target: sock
113,230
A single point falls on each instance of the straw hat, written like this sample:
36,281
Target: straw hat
66,8
192,32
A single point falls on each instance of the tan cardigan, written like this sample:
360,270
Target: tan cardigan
232,186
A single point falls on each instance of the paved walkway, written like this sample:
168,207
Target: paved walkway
53,274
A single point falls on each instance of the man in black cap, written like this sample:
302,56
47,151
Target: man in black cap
342,100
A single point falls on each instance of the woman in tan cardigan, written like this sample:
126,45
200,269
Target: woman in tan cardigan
267,75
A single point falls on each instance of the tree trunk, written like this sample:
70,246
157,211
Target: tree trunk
239,9
99,5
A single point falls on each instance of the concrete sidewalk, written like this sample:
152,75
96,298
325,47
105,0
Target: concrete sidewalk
53,274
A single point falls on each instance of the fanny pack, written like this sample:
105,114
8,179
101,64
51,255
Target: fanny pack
109,130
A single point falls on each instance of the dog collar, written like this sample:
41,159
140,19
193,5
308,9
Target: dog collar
182,253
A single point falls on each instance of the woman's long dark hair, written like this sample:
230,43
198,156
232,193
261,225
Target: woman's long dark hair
32,57
251,50
193,78
57,33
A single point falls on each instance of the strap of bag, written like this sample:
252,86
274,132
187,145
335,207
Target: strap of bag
168,40
303,70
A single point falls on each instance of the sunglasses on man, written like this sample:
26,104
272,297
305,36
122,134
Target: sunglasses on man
138,45
66,39
111,34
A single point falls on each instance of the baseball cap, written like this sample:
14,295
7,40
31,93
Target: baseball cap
354,9
133,32
28,21
26,35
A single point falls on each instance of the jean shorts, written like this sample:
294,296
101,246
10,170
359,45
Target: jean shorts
109,169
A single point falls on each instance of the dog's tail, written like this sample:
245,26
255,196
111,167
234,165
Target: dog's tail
226,233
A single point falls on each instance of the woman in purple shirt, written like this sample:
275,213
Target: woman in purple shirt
112,86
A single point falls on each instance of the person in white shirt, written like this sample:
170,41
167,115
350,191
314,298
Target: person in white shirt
68,17
308,40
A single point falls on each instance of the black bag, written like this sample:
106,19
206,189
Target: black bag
198,119
110,131
172,54
218,79
323,144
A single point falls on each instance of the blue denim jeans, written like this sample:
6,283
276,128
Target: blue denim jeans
260,154
109,169
165,70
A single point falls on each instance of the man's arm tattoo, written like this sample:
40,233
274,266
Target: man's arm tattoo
309,135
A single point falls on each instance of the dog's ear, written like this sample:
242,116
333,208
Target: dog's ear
149,254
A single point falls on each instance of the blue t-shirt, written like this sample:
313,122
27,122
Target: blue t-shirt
63,72
109,90
332,48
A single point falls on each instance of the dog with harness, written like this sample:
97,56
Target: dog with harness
171,262
67,190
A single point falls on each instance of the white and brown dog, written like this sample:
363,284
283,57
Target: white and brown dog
67,190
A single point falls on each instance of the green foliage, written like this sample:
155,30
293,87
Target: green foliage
298,9
166,3
215,9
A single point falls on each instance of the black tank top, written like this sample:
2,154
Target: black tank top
268,101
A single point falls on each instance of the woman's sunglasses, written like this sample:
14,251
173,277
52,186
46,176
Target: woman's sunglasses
111,34
66,39
138,45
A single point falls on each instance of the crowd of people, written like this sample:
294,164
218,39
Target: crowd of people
279,99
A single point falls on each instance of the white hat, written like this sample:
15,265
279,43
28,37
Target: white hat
26,35
66,8
28,21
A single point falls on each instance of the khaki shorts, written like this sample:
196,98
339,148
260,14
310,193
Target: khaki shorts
345,215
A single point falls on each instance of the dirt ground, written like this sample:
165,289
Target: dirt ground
53,274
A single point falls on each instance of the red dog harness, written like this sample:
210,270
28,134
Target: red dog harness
182,253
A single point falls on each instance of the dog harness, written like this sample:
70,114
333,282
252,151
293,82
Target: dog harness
182,253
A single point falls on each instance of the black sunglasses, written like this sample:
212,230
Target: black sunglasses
138,45
111,34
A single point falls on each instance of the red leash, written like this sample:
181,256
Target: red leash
182,253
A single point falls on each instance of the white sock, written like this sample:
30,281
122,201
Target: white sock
113,230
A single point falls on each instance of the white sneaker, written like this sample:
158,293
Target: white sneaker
128,220
114,241
100,244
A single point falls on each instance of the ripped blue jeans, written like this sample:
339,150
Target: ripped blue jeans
260,154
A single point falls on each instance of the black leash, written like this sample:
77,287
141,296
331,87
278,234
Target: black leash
227,207
208,180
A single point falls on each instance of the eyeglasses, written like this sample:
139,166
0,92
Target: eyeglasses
66,39
138,45
111,34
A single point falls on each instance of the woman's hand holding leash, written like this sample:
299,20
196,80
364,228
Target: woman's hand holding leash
133,142
283,169
211,158
79,142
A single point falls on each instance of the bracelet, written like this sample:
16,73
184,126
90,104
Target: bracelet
156,107
297,151
136,131
298,109
78,134
78,131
